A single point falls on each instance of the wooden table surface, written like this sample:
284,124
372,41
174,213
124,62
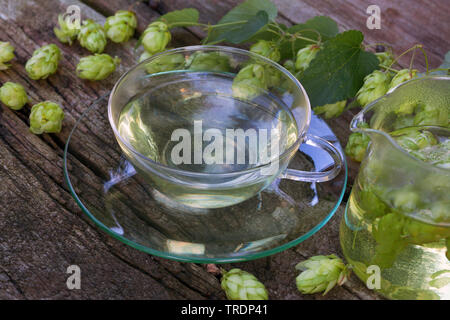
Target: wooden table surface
42,230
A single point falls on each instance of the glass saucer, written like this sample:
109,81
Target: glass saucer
107,188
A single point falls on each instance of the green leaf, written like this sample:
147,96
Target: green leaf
243,32
323,25
264,34
338,70
181,18
243,12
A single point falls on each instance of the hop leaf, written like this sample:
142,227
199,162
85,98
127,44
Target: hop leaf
67,32
44,62
321,274
249,82
402,76
305,56
46,116
96,67
375,86
156,37
241,285
13,95
331,110
209,61
6,54
267,49
163,63
92,36
120,27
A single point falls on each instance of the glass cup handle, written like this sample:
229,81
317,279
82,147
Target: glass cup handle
320,176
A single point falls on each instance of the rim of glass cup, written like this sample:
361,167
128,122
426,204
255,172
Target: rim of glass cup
355,121
300,132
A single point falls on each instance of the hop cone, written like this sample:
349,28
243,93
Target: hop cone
331,110
249,82
357,145
209,61
267,49
96,67
156,37
375,86
241,285
120,27
290,66
321,274
67,32
6,54
305,56
46,116
385,58
44,62
92,36
402,76
432,115
412,139
163,63
13,95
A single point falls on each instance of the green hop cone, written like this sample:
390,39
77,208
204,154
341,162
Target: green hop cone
120,27
375,86
385,58
6,54
156,37
305,56
67,32
430,115
388,233
321,274
92,36
241,285
13,95
163,63
267,49
249,82
412,139
402,76
43,62
290,66
97,67
357,144
273,76
145,55
209,61
331,110
46,116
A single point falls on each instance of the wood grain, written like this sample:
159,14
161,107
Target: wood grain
42,229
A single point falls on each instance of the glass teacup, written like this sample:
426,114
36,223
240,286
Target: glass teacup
211,126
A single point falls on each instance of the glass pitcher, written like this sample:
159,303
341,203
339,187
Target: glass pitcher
396,227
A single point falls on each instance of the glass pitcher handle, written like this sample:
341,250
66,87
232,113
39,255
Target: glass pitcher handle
319,176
